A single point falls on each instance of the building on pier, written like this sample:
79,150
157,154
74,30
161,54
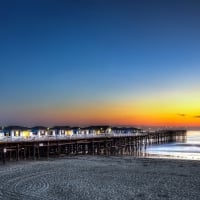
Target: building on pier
97,130
15,132
60,131
125,130
39,131
91,130
76,130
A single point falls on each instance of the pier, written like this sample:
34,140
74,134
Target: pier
105,144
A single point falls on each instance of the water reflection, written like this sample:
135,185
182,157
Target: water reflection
187,150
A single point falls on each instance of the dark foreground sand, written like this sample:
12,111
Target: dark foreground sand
101,178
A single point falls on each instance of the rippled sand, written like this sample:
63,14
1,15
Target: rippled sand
101,178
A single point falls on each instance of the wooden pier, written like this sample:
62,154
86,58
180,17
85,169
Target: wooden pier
123,144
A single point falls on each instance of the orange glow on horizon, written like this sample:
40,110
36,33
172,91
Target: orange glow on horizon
156,110
151,112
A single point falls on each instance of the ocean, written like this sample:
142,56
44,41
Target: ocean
187,150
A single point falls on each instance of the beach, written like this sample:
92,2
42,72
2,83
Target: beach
88,177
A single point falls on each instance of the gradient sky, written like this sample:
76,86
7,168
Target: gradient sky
117,62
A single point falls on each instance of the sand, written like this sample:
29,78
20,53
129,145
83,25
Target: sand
106,178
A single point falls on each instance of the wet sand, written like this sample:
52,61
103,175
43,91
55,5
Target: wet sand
88,177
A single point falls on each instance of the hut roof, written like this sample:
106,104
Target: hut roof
76,128
39,128
60,128
8,128
124,128
104,127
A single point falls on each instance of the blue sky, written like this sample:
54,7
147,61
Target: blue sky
68,53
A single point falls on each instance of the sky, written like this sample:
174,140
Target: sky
115,62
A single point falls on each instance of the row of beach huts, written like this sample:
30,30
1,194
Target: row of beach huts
20,132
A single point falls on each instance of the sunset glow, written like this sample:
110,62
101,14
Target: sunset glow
103,62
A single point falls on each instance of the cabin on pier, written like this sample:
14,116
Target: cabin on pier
97,130
83,131
125,130
39,131
77,130
61,131
91,130
15,132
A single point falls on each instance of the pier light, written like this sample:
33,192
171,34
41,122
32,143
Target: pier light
109,130
26,133
17,133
